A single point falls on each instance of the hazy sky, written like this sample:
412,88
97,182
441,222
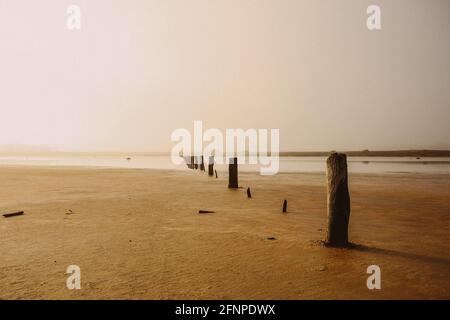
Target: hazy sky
137,70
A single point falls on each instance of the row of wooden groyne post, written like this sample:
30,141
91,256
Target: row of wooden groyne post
338,197
193,163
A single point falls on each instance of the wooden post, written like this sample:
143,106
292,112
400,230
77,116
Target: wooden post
338,200
284,206
187,160
233,173
202,164
211,166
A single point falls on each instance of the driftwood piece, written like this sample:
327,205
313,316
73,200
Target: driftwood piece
205,211
233,173
13,214
338,200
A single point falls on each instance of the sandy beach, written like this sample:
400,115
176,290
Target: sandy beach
137,234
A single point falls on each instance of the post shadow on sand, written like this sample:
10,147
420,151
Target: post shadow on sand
400,254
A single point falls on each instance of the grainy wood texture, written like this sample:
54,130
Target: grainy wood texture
233,173
338,200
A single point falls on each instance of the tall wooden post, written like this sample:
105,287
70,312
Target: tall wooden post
211,166
338,200
233,173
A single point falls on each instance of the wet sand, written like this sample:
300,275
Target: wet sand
137,234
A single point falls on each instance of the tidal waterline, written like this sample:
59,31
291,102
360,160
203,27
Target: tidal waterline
287,164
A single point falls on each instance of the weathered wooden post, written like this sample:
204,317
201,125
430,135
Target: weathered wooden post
187,161
195,162
233,173
202,164
338,200
211,166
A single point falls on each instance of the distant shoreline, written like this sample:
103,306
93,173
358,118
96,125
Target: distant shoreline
363,153
368,153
